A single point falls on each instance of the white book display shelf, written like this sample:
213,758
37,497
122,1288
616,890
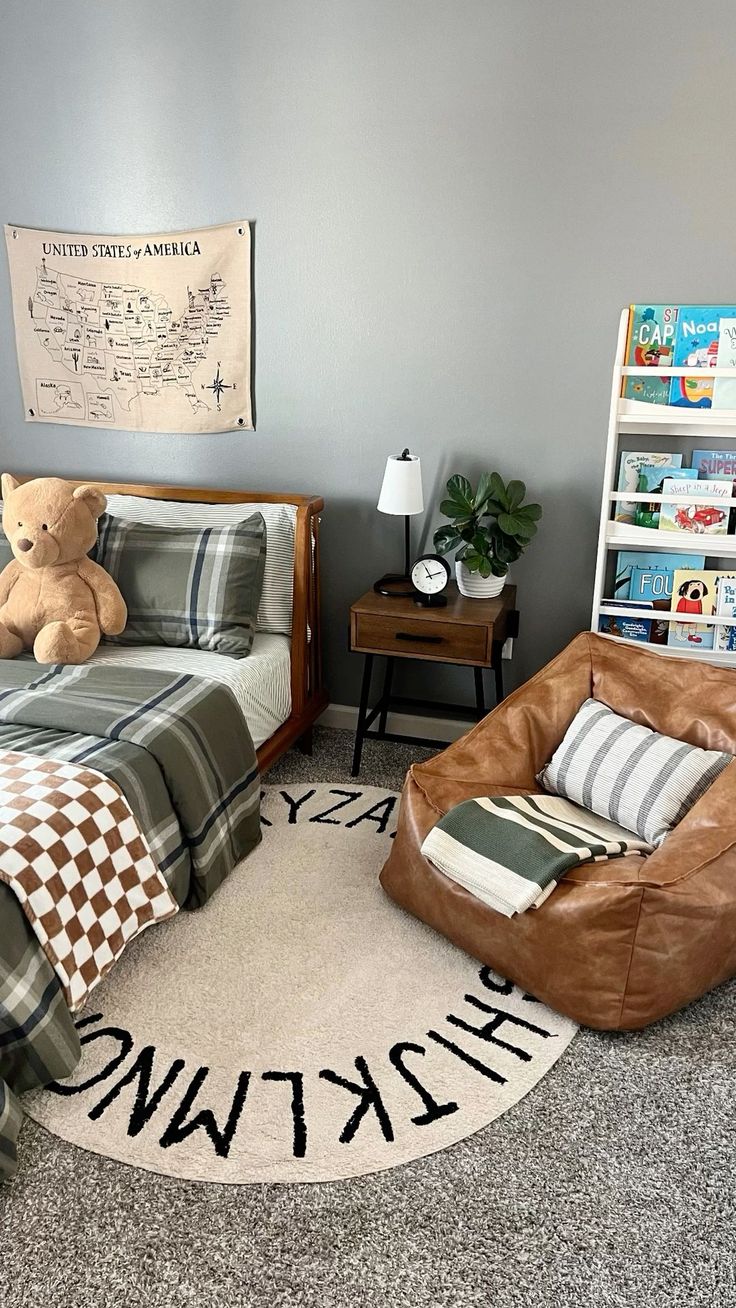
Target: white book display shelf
629,421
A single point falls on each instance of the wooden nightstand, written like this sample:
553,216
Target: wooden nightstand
469,632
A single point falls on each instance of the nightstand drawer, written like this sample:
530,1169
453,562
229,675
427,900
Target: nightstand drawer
417,638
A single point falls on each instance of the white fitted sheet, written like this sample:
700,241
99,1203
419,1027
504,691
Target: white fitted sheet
261,683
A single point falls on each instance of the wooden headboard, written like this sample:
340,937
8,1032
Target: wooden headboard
308,697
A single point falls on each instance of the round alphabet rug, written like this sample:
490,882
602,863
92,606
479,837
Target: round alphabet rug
299,1027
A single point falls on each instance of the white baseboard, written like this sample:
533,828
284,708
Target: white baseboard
404,724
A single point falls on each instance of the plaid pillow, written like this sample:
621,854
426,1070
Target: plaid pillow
639,779
195,587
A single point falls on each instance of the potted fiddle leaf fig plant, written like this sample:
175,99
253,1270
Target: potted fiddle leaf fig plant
489,528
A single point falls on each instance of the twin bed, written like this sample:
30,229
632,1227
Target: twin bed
131,784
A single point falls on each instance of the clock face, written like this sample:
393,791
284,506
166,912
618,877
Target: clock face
430,574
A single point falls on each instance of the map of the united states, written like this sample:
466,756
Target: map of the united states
120,342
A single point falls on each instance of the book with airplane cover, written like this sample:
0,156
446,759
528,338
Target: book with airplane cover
674,515
650,344
647,577
725,637
696,345
694,595
724,388
652,480
628,476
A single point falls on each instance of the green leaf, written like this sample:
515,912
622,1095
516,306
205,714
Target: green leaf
512,525
473,561
484,567
461,491
525,529
481,542
533,511
483,492
498,489
515,492
445,539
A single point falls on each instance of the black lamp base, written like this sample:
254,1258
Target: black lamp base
398,585
394,585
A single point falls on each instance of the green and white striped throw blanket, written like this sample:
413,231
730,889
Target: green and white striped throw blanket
511,852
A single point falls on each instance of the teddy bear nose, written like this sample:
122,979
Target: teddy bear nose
25,545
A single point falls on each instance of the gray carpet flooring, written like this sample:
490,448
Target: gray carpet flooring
612,1183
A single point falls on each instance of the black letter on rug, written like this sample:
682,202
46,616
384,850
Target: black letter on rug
467,1058
295,804
434,1110
117,1033
369,1096
299,1147
221,1137
143,1107
501,987
380,818
350,795
486,1032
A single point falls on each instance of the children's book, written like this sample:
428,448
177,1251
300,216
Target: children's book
653,479
633,628
695,518
694,595
650,343
725,637
696,346
628,477
724,388
715,463
648,577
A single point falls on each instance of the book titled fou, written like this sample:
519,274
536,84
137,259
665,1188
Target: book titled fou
650,343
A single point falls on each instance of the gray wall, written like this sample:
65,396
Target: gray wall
452,201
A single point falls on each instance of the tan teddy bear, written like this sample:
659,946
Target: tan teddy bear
53,599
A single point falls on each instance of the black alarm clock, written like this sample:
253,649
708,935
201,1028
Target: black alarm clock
429,577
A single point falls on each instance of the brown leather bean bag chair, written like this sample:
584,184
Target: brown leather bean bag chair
618,944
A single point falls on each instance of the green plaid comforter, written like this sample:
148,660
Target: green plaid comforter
180,750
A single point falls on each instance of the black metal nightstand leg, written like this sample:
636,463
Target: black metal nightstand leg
498,669
365,691
387,680
480,699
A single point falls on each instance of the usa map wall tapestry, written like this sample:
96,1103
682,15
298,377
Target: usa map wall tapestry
143,333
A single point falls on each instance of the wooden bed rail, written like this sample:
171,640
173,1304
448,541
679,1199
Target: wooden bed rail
308,697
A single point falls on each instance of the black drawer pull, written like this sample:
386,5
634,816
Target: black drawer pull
423,640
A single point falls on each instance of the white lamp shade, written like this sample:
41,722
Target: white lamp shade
401,491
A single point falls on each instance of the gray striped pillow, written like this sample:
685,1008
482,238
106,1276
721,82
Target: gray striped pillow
189,587
274,611
634,776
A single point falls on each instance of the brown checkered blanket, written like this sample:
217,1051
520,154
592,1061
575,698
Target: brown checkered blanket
179,751
74,856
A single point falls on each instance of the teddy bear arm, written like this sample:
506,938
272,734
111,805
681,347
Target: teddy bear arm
112,614
8,578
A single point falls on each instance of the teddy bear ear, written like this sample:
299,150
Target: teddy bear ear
8,484
93,498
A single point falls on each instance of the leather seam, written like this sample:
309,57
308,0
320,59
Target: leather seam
625,992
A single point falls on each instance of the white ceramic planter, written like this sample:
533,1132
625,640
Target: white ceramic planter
473,586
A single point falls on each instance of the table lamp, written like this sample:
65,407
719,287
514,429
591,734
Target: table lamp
401,495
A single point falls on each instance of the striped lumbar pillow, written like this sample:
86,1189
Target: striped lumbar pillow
643,781
186,586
